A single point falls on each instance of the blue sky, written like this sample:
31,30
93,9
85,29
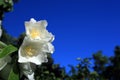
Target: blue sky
81,27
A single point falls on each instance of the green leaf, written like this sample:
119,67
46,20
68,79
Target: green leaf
7,50
13,75
2,45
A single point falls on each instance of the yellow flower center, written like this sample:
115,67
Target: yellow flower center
34,33
30,51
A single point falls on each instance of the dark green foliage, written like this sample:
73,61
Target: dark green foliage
100,62
114,68
81,71
5,6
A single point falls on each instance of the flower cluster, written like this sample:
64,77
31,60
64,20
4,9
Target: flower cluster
33,50
36,44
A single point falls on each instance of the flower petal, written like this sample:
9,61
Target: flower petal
37,30
31,77
27,70
38,60
48,47
32,20
34,51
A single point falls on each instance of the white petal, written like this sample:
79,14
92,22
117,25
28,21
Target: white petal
39,54
27,70
49,37
39,28
32,20
31,77
38,60
43,23
48,47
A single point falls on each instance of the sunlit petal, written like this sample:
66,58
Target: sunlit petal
36,30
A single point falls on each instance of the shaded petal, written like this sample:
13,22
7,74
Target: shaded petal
48,47
49,37
32,20
43,23
38,60
31,77
27,70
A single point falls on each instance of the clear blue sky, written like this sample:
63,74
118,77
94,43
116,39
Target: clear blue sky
81,27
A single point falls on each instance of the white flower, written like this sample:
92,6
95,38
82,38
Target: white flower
37,30
27,70
34,51
4,61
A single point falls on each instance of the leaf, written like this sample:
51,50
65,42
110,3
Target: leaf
7,50
2,45
13,75
46,72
